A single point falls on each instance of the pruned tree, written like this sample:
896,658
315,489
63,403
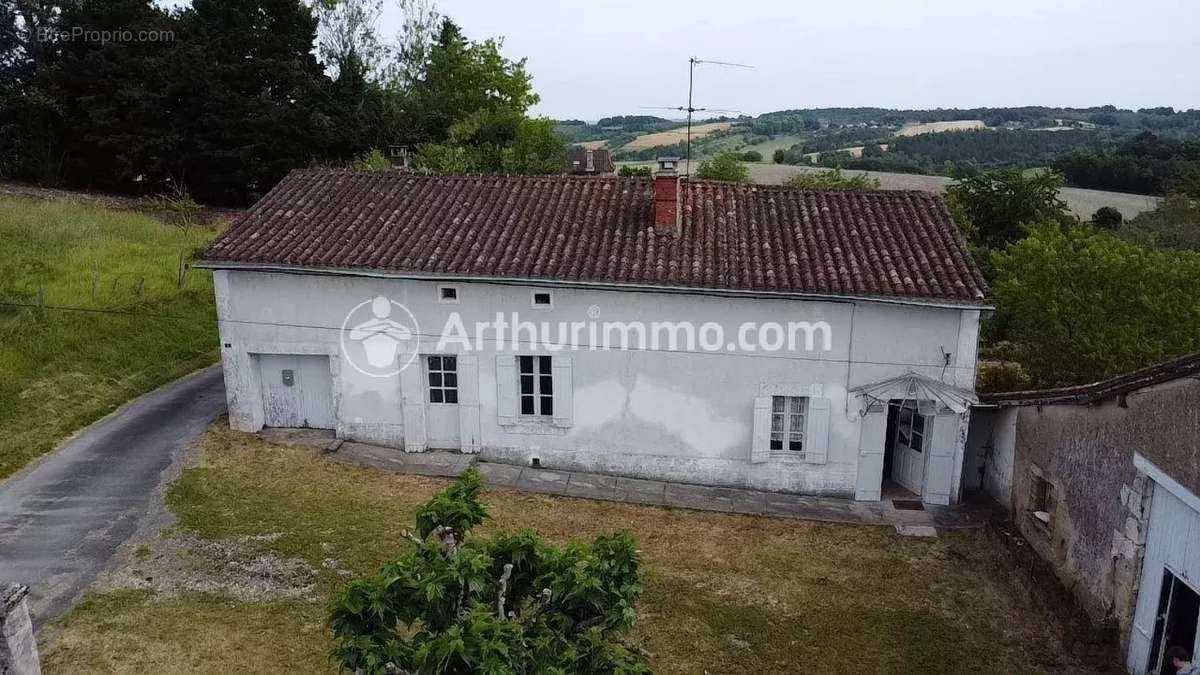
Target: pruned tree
509,605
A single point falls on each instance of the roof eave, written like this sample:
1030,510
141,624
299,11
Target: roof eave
947,303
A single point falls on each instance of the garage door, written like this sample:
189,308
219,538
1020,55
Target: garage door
297,391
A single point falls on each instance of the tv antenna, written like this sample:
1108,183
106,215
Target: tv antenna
692,63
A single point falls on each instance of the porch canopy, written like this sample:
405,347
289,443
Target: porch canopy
921,389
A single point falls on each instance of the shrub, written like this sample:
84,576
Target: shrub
751,156
514,604
1107,217
629,171
726,167
832,180
778,156
373,161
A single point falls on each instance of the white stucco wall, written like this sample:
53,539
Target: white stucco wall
657,414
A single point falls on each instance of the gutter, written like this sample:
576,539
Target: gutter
595,285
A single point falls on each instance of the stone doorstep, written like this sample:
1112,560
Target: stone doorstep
657,493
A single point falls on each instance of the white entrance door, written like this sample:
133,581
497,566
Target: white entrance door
442,413
909,448
297,391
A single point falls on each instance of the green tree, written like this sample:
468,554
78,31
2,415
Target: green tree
460,79
628,170
778,156
993,207
1173,224
832,180
498,141
1107,217
1079,305
509,605
751,156
724,166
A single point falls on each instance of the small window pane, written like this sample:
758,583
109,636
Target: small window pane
776,445
450,380
776,423
449,363
796,446
527,384
547,405
435,379
546,384
435,363
777,404
449,293
435,396
527,405
797,405
545,364
541,298
525,363
451,396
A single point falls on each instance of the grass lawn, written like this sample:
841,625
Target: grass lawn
60,370
725,593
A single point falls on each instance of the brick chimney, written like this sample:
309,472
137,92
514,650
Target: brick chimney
667,215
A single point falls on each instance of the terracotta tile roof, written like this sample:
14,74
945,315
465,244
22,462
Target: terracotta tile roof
601,229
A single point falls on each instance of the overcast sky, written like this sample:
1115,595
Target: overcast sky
591,58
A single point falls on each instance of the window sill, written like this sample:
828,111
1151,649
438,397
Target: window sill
542,427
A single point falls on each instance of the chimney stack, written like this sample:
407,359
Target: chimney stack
667,215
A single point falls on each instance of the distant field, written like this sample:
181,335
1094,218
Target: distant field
593,145
777,143
1081,201
936,127
854,151
675,135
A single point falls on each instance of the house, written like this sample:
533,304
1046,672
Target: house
1103,481
590,161
706,332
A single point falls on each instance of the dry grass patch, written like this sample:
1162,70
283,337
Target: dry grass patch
674,136
916,129
725,593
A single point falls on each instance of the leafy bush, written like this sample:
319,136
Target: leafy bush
778,156
373,161
1107,217
511,605
726,167
751,156
994,206
832,180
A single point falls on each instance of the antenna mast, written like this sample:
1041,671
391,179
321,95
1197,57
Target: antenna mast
687,170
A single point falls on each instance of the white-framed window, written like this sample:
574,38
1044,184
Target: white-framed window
542,300
442,376
535,387
788,415
447,295
910,427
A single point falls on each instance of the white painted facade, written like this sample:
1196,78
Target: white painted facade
684,416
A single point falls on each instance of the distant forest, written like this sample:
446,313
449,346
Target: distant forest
1146,151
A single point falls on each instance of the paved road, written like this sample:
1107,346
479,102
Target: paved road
62,519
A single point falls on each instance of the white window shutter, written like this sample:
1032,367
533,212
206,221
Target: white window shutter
560,369
506,388
760,448
816,433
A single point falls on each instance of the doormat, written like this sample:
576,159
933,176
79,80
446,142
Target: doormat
908,505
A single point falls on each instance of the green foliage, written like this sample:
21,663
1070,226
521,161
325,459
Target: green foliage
374,161
513,604
1173,224
1079,305
1107,217
499,141
751,156
778,156
629,171
993,207
832,180
726,167
1144,164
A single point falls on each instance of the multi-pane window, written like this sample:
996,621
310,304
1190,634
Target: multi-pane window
443,378
536,385
910,428
787,423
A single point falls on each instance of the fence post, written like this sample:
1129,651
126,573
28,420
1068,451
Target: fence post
18,649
